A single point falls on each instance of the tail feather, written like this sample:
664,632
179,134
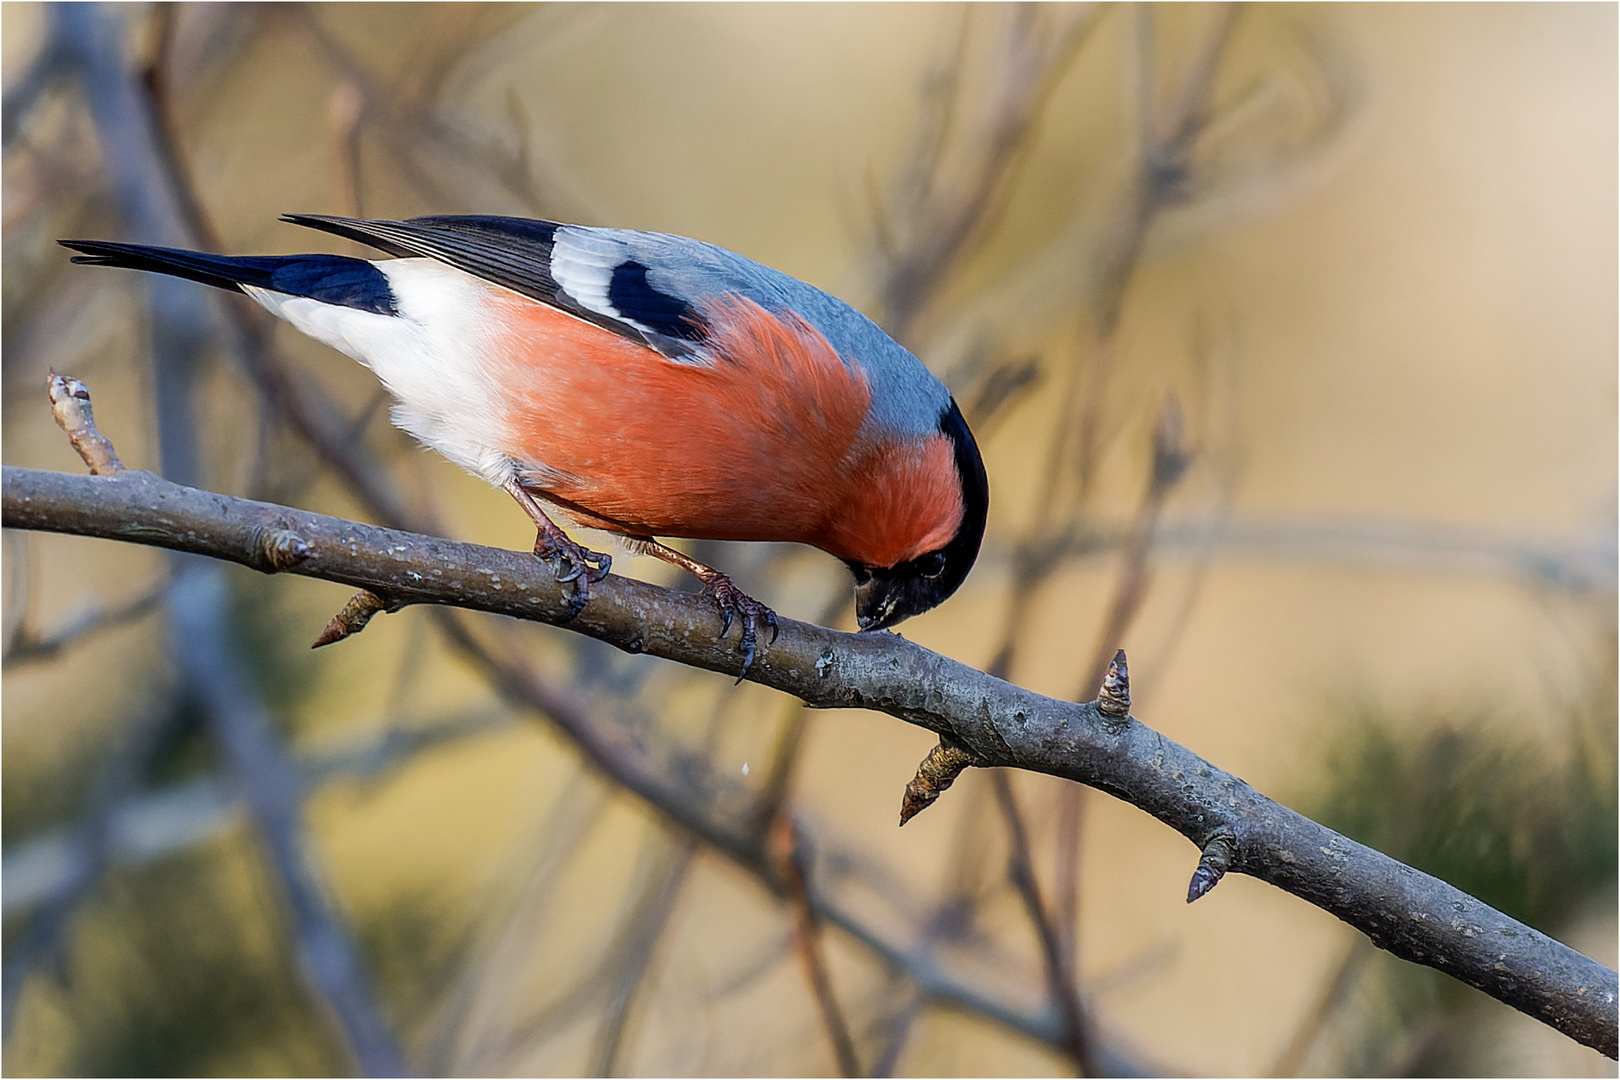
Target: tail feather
331,279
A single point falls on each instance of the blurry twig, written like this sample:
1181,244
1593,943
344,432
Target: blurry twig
788,851
83,855
645,927
1584,565
139,827
1171,457
457,1039
1334,991
951,189
405,121
19,567
1055,955
44,71
28,645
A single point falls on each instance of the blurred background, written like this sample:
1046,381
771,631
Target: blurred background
1289,336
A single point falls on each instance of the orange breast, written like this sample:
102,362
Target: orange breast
762,444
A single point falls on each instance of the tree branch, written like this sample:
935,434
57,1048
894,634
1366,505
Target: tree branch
1411,914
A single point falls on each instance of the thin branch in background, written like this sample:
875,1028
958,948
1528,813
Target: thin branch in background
1171,458
1335,989
898,1034
458,1038
609,985
19,567
645,929
44,934
1060,978
944,200
788,851
783,763
152,824
1066,845
408,125
1172,130
24,95
30,646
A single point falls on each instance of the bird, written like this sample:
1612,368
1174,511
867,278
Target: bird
641,383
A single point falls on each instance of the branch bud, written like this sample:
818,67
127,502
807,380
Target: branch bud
937,772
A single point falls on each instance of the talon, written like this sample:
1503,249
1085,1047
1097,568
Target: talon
574,563
733,602
576,603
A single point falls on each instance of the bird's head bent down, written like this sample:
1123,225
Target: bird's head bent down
886,595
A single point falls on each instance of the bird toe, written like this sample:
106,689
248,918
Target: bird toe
733,602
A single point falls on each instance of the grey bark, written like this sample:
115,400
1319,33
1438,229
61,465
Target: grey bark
1409,913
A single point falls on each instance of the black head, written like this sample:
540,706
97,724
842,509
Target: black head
884,595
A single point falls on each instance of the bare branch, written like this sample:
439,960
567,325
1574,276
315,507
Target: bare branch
1409,913
70,405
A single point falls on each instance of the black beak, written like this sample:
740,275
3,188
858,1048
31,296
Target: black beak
877,602
886,595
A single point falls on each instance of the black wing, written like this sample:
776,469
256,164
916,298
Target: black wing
517,253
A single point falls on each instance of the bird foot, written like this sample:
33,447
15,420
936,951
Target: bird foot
732,602
574,562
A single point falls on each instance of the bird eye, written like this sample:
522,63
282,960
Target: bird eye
862,574
932,565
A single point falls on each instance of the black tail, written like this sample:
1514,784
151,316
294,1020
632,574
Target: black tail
331,279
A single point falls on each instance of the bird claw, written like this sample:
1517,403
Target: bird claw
578,564
732,602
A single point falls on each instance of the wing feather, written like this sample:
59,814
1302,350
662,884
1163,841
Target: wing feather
581,271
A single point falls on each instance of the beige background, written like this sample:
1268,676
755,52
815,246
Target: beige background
1416,323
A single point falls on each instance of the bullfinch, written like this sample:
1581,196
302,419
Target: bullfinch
645,384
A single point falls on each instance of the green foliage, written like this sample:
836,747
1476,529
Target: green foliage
411,949
176,971
1529,827
273,636
1529,831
